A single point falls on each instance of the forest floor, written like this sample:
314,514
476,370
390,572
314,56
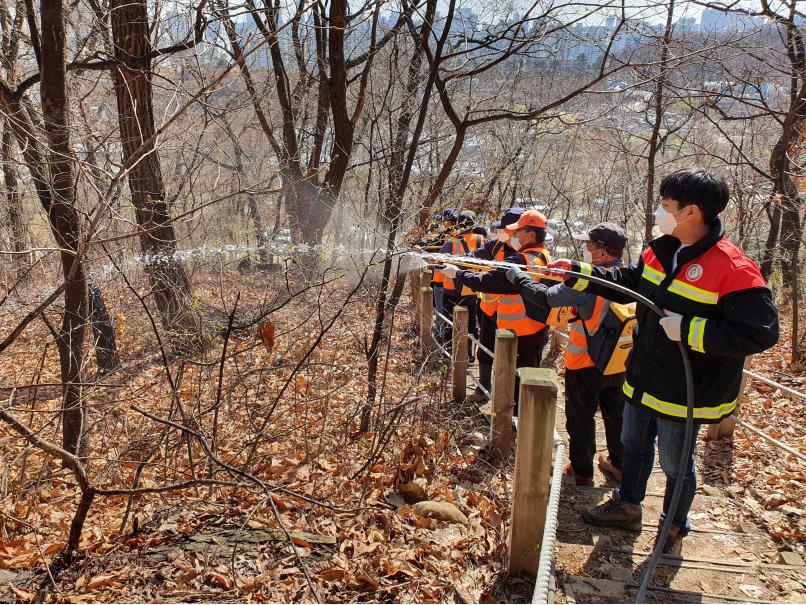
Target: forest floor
287,412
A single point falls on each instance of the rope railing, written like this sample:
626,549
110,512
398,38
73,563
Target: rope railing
546,561
773,440
445,319
480,346
772,383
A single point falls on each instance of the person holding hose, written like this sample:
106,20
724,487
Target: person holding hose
717,304
586,386
527,239
465,242
497,248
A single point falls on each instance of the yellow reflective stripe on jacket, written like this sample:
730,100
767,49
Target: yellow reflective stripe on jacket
694,293
582,283
696,334
679,411
681,288
653,275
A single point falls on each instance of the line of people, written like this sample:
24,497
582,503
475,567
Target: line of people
717,305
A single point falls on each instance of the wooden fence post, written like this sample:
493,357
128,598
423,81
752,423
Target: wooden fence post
503,395
415,281
459,353
530,493
426,317
724,430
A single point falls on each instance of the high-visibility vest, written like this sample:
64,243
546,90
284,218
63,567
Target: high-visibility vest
511,310
576,352
464,243
489,302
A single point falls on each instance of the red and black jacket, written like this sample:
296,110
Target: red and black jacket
728,313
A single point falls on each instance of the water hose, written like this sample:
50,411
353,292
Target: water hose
683,462
649,572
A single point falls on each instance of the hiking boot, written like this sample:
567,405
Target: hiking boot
674,541
578,479
478,397
608,468
615,512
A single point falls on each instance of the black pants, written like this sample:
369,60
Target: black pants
470,302
487,328
530,354
585,390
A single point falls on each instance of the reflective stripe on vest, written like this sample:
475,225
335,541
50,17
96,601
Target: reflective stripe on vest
489,302
576,352
473,241
714,412
511,310
653,273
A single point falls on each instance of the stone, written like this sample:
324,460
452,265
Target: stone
618,572
412,492
477,439
787,557
441,511
710,490
605,591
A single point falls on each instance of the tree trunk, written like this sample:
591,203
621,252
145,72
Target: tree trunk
16,222
133,91
64,218
772,239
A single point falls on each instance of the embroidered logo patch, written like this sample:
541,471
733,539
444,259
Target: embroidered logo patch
694,272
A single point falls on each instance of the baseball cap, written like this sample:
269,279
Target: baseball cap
467,218
510,216
450,215
530,218
605,234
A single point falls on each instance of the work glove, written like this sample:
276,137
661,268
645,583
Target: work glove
449,271
671,325
563,264
513,274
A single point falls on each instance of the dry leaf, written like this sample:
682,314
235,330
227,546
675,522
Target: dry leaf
265,332
218,579
22,595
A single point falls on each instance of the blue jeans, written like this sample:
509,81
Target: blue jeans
638,432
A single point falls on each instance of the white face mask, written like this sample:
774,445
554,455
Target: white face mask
515,242
666,220
587,256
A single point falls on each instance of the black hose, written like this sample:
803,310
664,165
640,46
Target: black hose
649,572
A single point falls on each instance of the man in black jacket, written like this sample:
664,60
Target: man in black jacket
718,305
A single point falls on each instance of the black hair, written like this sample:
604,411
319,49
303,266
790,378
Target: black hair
540,233
614,252
706,190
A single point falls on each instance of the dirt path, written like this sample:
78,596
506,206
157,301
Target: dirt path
727,558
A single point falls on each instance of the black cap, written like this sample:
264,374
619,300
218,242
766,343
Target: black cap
510,217
605,234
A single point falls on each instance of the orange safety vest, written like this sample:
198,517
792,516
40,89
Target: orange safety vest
511,310
464,243
576,353
489,302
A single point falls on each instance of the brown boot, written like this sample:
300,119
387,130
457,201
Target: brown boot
674,542
608,468
615,512
578,479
